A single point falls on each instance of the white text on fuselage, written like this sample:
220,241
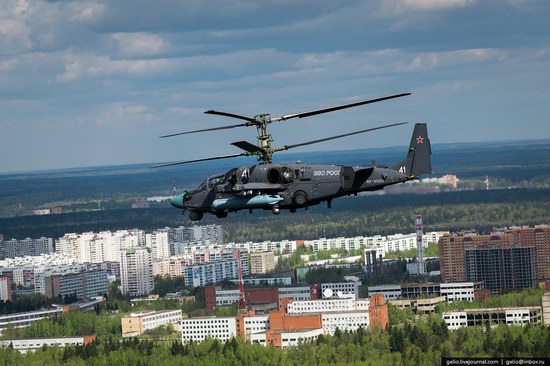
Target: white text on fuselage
325,173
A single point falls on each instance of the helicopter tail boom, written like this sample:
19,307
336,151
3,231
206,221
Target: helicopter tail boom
418,160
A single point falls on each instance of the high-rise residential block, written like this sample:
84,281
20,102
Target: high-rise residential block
136,271
261,263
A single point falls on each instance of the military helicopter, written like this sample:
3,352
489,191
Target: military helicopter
277,187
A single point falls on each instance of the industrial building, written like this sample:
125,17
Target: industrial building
258,299
21,320
33,344
492,317
198,329
454,291
292,322
137,323
341,288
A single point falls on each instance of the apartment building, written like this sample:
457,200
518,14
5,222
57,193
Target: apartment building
453,247
136,271
546,308
261,263
210,267
502,269
104,246
159,243
85,284
25,247
5,288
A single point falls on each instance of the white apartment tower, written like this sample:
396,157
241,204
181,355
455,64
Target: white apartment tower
136,271
158,242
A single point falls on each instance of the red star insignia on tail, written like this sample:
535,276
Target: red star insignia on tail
420,140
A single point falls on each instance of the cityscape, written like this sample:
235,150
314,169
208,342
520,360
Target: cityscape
382,200
270,304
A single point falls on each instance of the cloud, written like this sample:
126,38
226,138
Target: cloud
436,4
14,36
77,66
402,7
139,44
431,60
122,113
85,11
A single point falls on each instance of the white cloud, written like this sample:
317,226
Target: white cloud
8,64
436,4
139,44
183,111
85,11
431,60
14,36
72,71
121,113
79,66
401,7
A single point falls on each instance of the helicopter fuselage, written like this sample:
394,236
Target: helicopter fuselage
279,187
282,187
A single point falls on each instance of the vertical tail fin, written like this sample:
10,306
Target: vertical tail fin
418,160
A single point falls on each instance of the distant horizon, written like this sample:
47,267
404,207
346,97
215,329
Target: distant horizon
93,83
142,165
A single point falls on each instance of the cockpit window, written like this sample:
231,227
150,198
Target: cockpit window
212,181
202,187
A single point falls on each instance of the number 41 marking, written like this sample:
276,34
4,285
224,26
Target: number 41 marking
403,170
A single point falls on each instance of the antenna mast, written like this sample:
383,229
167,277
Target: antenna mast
242,297
419,248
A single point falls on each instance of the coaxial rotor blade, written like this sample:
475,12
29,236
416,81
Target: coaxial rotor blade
206,129
337,108
238,116
286,147
247,146
203,159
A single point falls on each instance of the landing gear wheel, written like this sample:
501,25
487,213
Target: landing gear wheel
195,215
221,214
300,198
275,209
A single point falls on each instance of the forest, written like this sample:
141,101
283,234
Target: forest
362,215
422,343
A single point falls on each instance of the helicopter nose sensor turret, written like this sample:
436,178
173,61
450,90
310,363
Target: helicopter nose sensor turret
178,200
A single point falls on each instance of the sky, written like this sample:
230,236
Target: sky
86,83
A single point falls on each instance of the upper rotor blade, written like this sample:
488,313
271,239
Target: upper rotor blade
206,129
339,107
230,115
203,159
286,147
247,146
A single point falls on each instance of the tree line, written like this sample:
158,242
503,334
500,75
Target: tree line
422,343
